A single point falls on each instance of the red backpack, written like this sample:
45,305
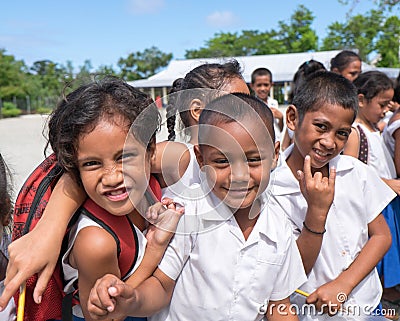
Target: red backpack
29,206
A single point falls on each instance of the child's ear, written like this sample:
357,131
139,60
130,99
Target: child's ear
199,156
277,148
361,100
291,117
195,109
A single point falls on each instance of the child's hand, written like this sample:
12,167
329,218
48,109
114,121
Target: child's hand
329,297
317,190
110,299
164,218
30,254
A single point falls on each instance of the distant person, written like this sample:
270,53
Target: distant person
305,70
347,63
261,84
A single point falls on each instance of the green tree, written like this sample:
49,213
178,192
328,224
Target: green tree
298,36
359,32
12,76
388,44
143,64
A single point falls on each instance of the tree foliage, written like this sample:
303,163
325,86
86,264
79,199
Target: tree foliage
144,64
295,36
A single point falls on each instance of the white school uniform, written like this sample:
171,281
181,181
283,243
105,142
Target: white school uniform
360,196
71,274
388,135
190,177
220,275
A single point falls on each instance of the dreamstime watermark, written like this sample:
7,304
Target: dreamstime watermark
350,310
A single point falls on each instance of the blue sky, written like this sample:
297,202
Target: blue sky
103,31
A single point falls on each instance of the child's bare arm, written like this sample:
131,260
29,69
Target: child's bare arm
396,136
94,255
352,146
37,251
171,161
373,251
111,298
164,218
319,192
281,311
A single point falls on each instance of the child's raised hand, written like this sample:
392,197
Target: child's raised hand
317,190
30,254
164,218
110,299
329,297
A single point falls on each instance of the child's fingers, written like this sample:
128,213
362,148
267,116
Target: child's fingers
312,298
12,286
307,167
41,284
332,176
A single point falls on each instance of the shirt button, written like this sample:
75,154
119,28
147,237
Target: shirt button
343,253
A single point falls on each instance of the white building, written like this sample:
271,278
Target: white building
282,66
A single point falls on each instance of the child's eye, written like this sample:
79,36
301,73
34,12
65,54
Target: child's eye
321,126
126,156
254,159
90,164
221,161
343,134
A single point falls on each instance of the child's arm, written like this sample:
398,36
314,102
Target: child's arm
373,251
94,254
281,311
396,136
352,146
112,299
164,218
171,161
319,192
278,115
38,251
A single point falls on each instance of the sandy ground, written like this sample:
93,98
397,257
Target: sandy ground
22,144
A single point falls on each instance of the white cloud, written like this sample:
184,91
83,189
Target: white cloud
145,6
221,19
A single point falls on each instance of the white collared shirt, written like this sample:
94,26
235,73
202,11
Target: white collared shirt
220,275
360,196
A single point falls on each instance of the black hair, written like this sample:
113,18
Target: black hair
396,96
371,83
343,59
171,112
325,87
235,107
81,110
206,76
306,69
5,193
260,72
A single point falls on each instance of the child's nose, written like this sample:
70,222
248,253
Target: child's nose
328,142
112,176
240,172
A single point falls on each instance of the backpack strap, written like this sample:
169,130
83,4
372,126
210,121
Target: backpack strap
363,150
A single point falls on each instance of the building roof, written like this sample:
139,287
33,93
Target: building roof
282,66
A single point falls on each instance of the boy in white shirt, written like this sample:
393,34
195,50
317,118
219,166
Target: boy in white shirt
261,84
231,257
341,249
